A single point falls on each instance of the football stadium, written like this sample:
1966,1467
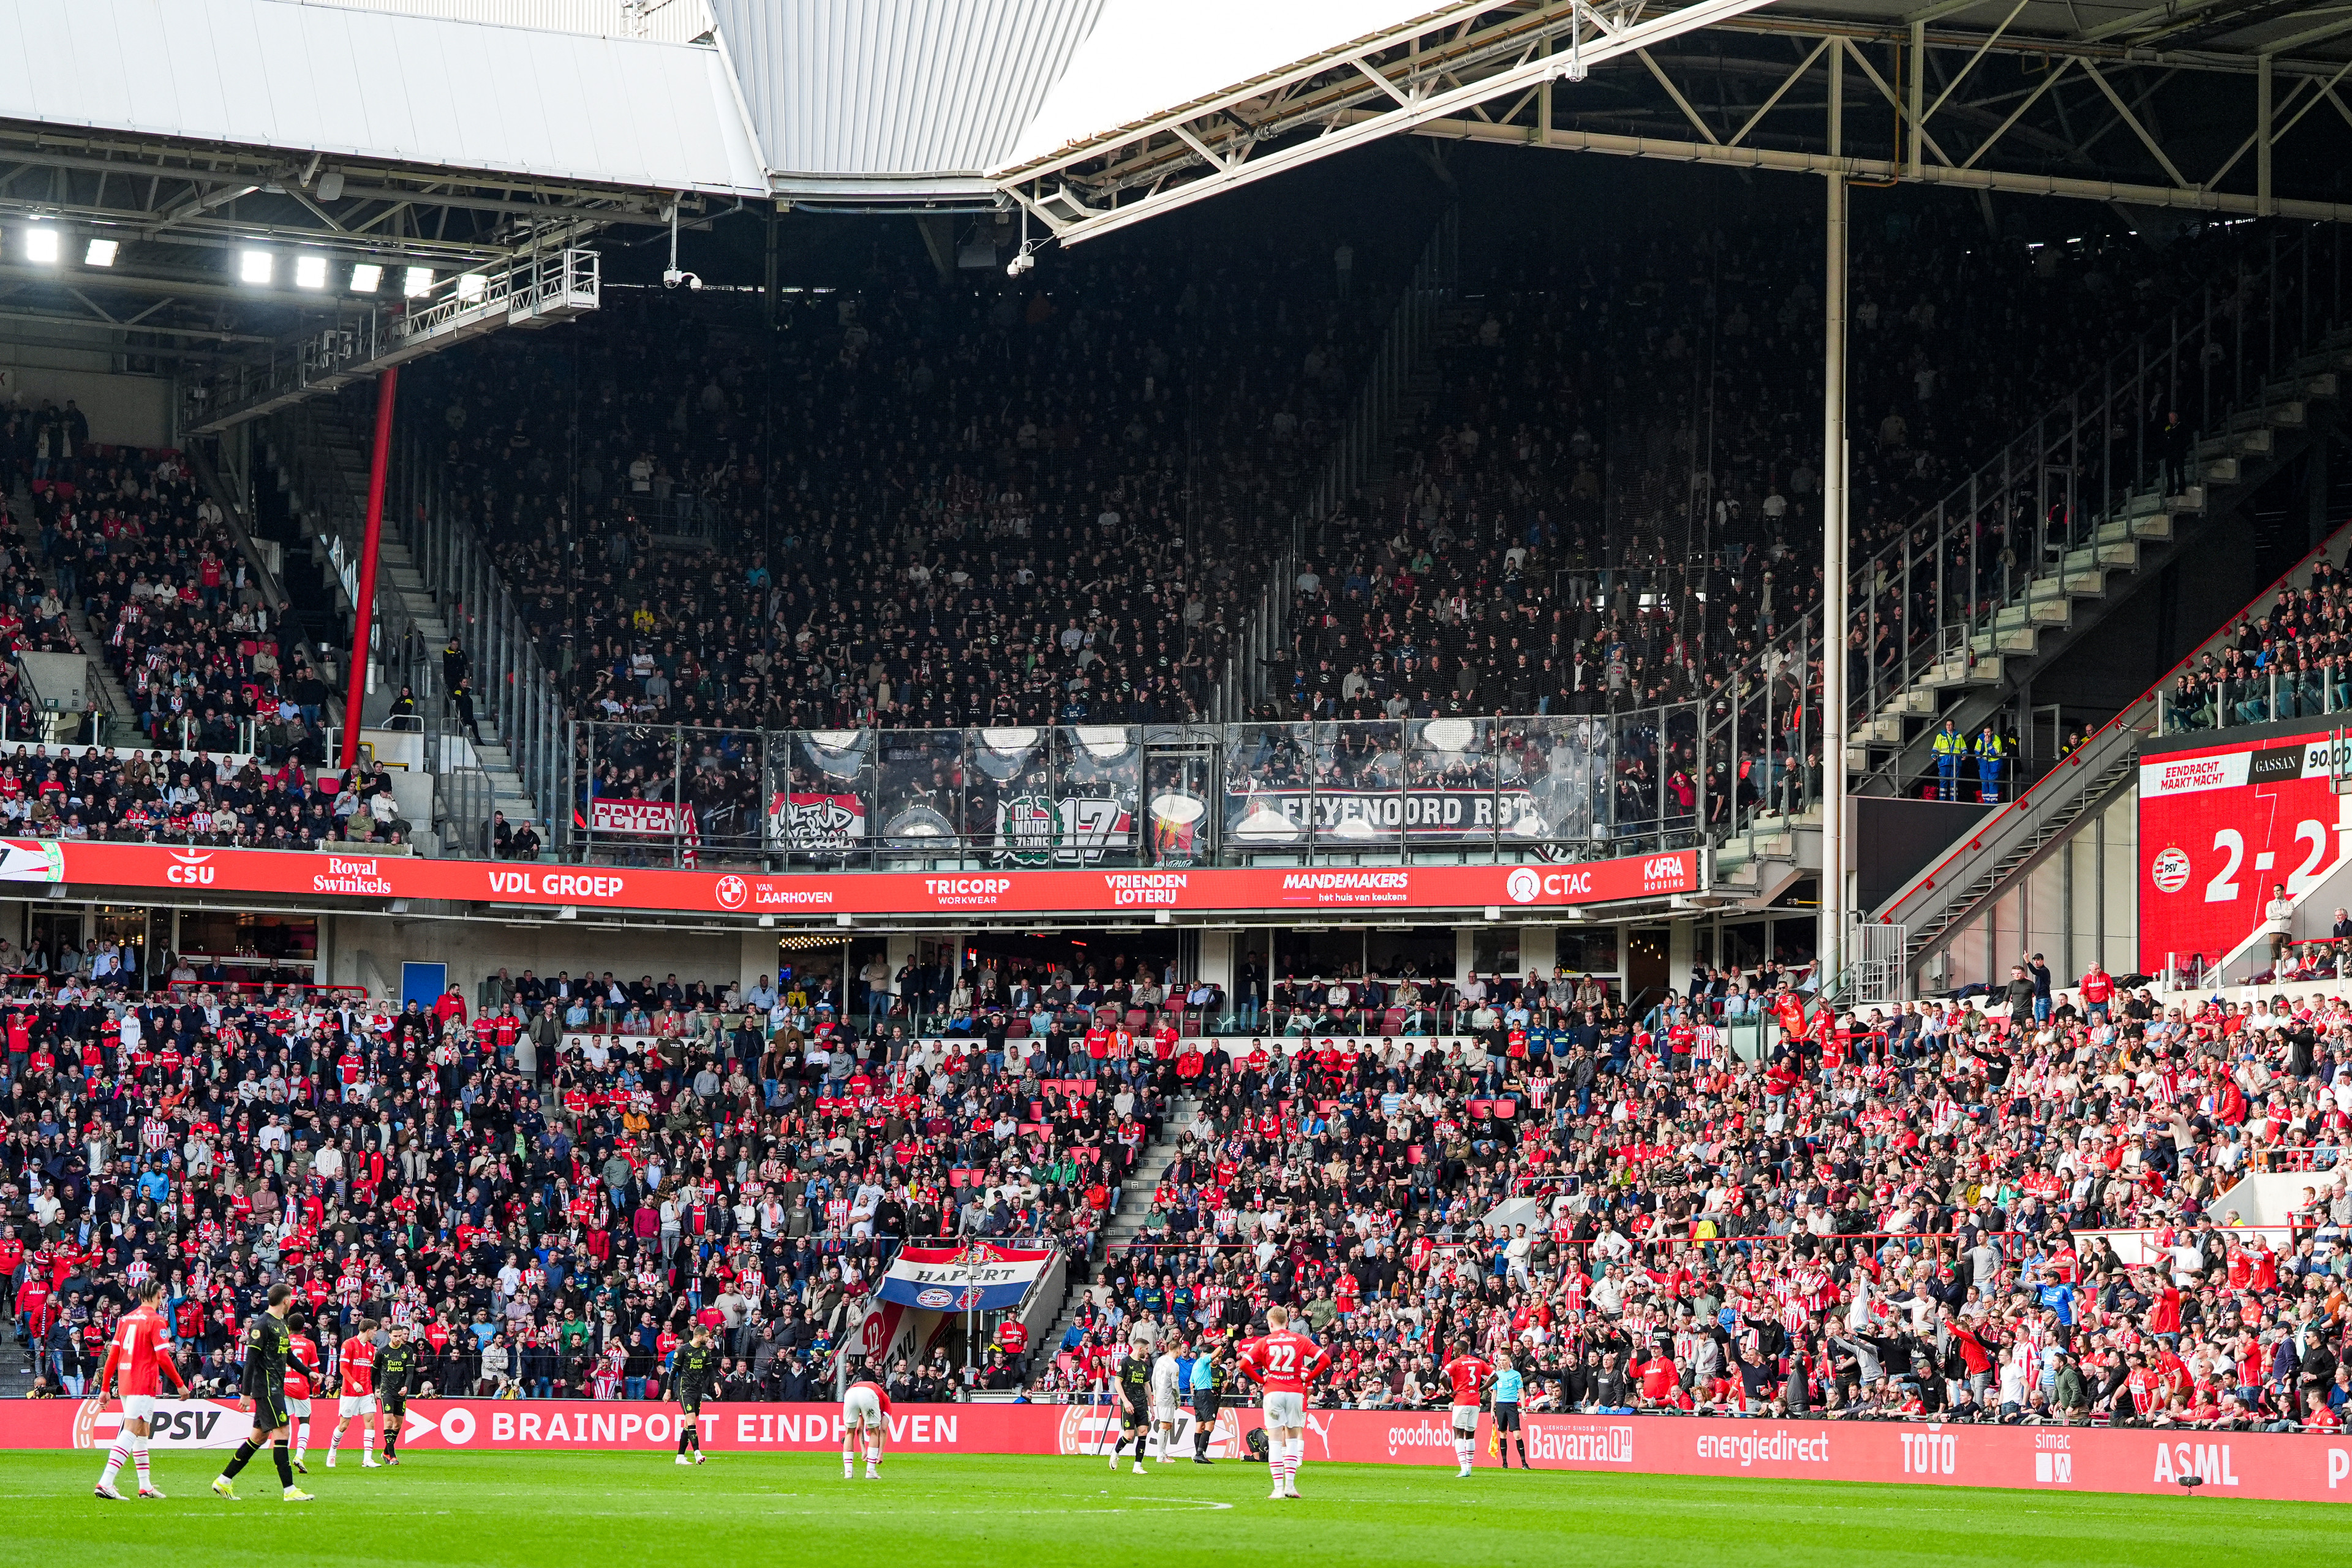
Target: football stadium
1443,781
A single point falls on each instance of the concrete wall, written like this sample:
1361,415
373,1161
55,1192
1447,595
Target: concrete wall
2083,901
123,410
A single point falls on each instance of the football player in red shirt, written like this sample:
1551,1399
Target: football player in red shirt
139,1353
1284,1365
1468,1375
356,1360
865,1411
302,1380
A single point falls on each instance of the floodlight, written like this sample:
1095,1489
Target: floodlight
255,266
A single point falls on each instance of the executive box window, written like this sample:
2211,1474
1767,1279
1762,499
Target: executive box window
244,941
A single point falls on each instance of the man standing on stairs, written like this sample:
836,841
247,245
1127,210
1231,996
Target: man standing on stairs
465,704
454,666
1990,751
1951,747
2175,437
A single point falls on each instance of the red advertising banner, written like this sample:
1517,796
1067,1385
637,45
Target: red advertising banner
2153,1461
2219,827
1273,889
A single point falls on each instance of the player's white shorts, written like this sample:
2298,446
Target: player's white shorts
139,1407
860,1408
1166,1414
1284,1409
356,1405
1466,1418
298,1407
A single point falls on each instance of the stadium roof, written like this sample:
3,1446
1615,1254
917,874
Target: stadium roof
407,89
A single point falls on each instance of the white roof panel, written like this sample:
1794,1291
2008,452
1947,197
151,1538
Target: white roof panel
896,98
1146,57
378,85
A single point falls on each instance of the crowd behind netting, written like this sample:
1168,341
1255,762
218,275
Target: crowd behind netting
1053,502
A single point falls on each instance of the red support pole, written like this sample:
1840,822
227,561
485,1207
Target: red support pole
363,612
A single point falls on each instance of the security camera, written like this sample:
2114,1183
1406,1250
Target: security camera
673,278
1025,262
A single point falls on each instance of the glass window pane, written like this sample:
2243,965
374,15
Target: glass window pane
820,786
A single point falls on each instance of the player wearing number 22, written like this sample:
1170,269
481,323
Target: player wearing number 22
1284,1365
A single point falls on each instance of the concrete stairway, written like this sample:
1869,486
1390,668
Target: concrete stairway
399,569
1132,1210
2069,595
114,698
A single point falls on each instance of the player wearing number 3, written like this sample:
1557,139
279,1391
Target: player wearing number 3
1283,1365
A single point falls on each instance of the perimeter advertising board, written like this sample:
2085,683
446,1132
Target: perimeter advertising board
2219,826
819,894
2308,1466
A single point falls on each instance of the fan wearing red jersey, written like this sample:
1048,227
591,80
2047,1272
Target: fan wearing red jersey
302,1380
136,1356
865,1411
1467,1375
356,1358
1284,1365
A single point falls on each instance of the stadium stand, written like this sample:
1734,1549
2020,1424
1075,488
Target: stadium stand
1070,481
1950,1214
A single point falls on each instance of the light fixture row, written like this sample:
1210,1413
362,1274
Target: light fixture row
45,244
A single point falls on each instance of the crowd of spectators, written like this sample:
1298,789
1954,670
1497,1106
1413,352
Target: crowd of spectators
2294,662
1050,502
1001,502
130,544
1944,1215
1610,502
267,799
1948,1213
549,1210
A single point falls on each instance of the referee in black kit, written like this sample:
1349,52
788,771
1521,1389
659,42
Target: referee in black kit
268,1343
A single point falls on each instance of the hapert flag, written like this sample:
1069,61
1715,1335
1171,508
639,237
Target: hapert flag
978,1278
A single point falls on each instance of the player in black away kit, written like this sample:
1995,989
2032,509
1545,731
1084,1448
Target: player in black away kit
395,1369
268,1345
693,1369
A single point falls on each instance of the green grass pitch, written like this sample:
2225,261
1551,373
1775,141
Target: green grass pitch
586,1510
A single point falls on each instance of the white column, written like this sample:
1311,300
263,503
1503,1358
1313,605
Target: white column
1538,949
1833,585
758,957
1219,966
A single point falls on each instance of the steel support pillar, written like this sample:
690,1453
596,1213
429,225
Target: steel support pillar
1831,943
387,387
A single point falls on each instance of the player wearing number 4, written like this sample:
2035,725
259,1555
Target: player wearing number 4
1284,1365
135,1356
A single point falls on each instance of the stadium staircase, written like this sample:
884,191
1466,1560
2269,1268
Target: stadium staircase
1360,454
2265,358
2009,844
114,701
1129,1214
320,452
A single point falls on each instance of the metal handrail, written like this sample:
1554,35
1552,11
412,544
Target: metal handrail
2064,475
